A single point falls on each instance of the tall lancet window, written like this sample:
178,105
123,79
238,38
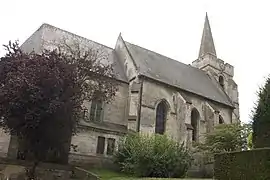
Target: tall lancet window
161,115
96,111
195,117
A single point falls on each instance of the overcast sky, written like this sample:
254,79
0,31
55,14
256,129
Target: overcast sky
173,28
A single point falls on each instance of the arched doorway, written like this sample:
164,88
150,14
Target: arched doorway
195,117
161,115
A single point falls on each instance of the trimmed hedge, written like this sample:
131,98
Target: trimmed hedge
248,165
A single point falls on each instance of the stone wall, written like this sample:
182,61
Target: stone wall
86,141
180,107
117,110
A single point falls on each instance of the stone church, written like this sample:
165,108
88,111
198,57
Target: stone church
156,94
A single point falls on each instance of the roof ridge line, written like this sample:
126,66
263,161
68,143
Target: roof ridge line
189,65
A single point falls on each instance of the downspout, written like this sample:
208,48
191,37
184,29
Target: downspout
139,109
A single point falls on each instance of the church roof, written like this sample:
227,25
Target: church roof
175,73
48,36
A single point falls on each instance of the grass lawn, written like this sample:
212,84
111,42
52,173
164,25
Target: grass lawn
110,175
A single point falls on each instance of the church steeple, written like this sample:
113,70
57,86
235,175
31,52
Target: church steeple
218,70
207,42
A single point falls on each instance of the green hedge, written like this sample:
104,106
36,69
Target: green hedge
246,165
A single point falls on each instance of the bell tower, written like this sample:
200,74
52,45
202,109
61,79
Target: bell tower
219,70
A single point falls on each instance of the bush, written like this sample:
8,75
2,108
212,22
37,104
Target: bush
152,156
248,165
225,138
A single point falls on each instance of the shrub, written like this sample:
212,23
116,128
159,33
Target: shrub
248,165
152,156
225,138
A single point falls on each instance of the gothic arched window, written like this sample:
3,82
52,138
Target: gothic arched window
161,115
195,117
221,81
96,110
220,120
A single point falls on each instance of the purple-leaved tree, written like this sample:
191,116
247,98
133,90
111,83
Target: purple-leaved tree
41,96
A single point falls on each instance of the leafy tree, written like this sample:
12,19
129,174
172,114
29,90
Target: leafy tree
41,95
152,156
225,138
261,118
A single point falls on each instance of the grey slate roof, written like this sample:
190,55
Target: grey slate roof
175,73
47,37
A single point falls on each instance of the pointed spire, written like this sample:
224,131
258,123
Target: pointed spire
207,42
